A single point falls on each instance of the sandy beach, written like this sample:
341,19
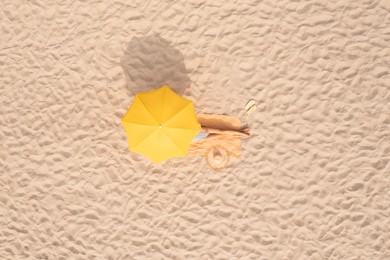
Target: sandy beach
312,181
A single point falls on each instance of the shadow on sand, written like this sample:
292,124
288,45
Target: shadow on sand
151,62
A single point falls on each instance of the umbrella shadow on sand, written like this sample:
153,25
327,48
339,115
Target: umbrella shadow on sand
151,62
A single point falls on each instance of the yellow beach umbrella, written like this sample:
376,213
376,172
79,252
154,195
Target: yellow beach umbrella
160,124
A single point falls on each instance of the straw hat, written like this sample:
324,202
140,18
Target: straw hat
217,157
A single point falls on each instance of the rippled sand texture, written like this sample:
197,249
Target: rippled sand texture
313,181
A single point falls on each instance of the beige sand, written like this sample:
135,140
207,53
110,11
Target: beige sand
313,181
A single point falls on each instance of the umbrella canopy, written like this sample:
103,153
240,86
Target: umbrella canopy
160,124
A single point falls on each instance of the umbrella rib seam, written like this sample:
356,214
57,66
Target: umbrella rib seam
143,140
189,104
138,143
163,108
174,142
138,123
148,111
